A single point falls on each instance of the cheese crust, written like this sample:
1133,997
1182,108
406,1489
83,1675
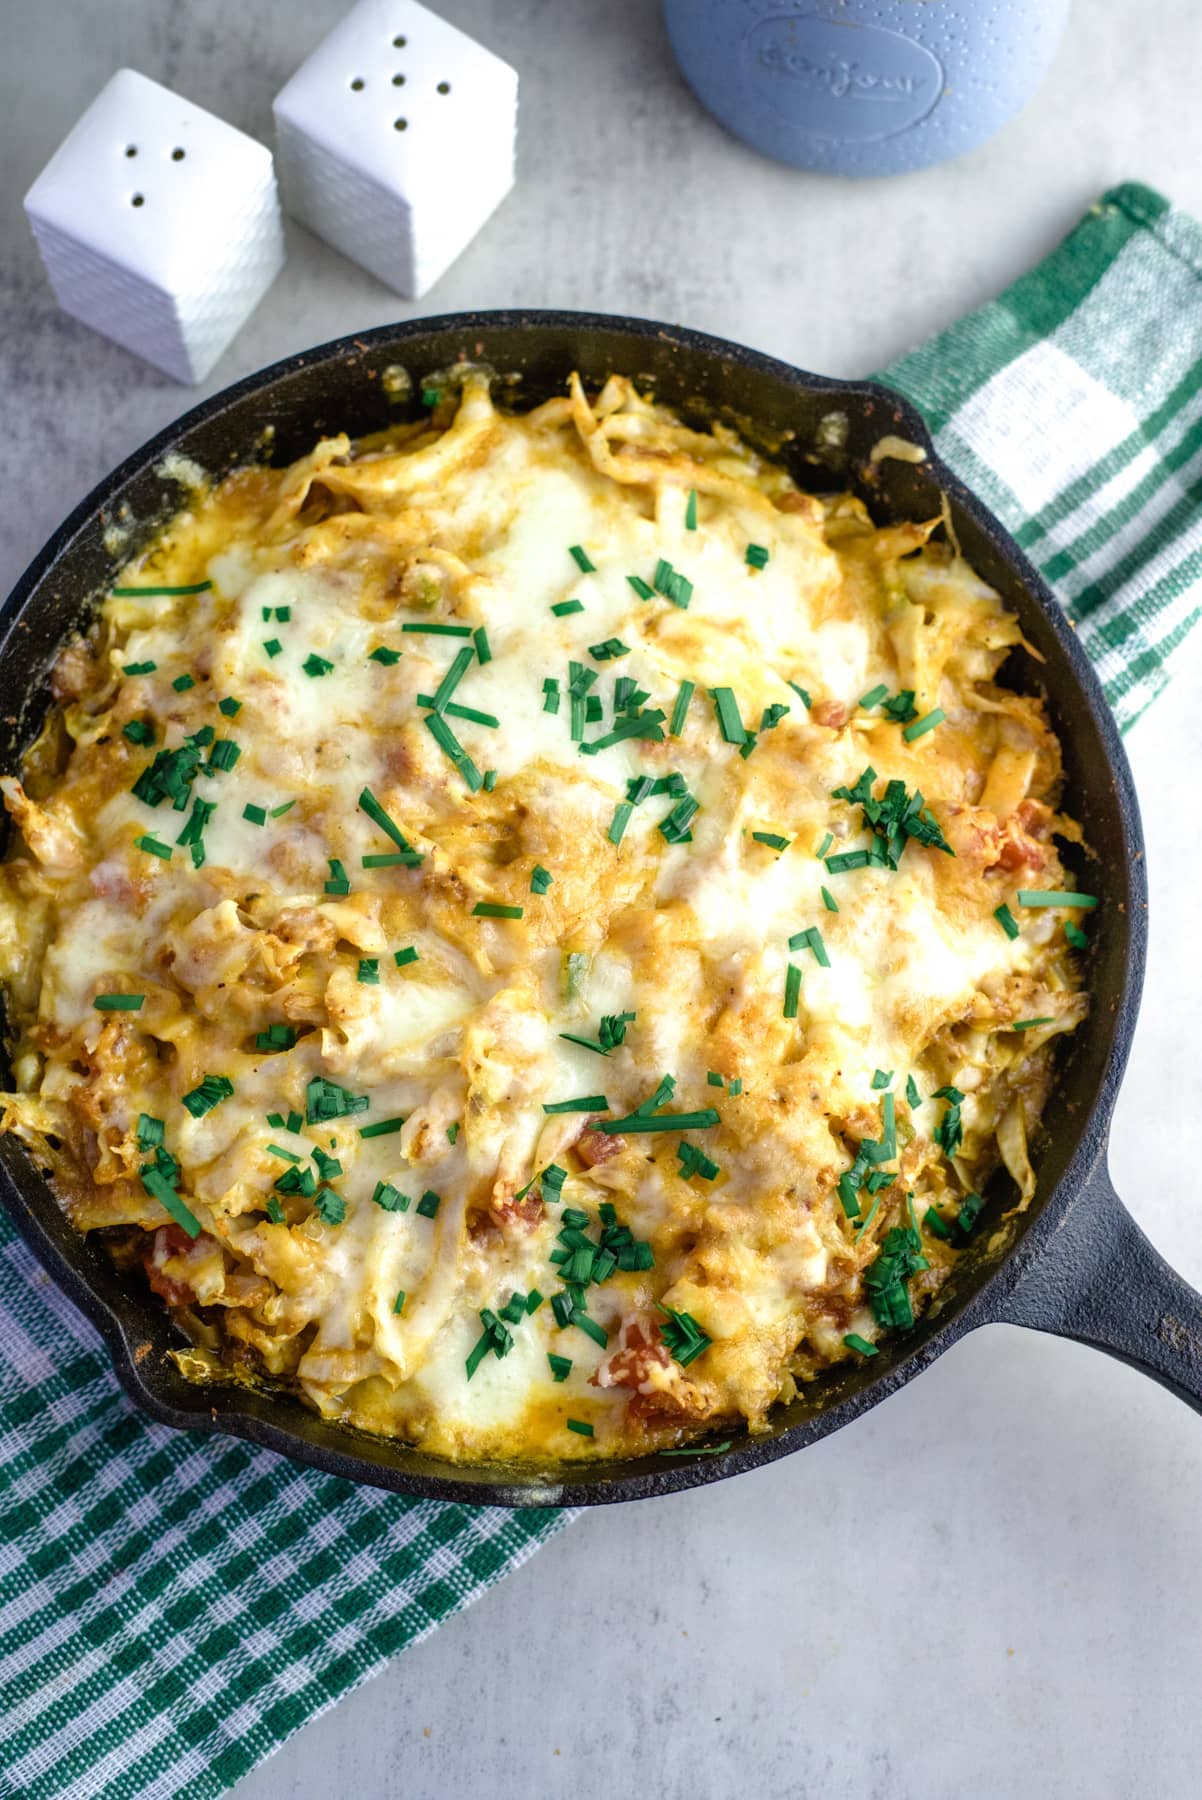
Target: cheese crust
601,691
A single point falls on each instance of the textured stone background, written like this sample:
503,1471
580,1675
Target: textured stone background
994,1583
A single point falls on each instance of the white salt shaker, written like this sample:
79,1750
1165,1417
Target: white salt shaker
395,140
159,225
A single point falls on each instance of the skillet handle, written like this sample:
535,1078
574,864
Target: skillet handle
1099,1280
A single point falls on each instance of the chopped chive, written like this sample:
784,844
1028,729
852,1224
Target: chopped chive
590,1327
824,846
139,731
224,754
142,668
729,722
773,839
459,667
828,900
118,1002
256,814
646,725
339,882
229,706
802,695
276,1038
849,859
620,821
811,939
429,1204
490,780
854,1341
683,1336
182,683
1006,920
881,1078
1076,936
134,593
211,1091
453,750
1029,1024
329,1206
920,727
157,1185
392,859
1048,897
274,1210
459,631
735,1088
640,1122
369,971
563,608
936,1223
483,647
756,556
402,958
398,1305
913,1097
561,1366
580,1426
382,654
381,1128
316,665
540,879
969,1212
376,813
714,1079
288,1156
581,558
690,511
640,587
609,650
153,847
586,1103
874,696
390,1198
277,812
151,1131
491,909
792,990
550,695
672,584
272,646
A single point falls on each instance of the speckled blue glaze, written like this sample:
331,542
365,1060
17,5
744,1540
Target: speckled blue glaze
864,87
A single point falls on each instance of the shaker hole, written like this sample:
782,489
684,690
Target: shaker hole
358,84
444,87
399,43
400,124
398,81
137,200
131,149
177,155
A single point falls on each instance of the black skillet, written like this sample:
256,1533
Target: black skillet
1076,1263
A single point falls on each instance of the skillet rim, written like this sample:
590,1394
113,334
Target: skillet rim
237,1412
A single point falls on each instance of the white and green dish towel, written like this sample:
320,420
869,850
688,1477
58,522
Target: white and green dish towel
173,1607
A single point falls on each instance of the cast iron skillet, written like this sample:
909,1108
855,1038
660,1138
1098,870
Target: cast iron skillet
1075,1263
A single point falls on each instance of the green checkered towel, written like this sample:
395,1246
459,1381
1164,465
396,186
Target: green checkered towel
172,1608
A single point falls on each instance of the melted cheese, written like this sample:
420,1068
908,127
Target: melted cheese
468,526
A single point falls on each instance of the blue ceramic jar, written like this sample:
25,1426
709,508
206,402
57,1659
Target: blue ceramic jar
864,87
